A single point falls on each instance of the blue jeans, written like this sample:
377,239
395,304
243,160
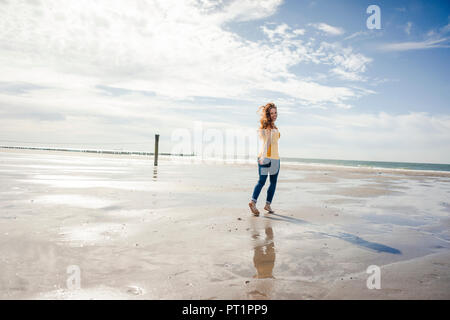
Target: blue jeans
272,169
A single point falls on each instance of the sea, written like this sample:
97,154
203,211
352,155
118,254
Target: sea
371,164
285,160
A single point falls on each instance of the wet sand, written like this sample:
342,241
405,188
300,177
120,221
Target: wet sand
184,230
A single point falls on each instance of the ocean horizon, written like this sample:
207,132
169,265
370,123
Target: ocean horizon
286,160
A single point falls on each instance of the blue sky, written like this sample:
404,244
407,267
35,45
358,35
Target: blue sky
408,73
110,75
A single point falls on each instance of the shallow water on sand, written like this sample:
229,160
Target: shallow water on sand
183,230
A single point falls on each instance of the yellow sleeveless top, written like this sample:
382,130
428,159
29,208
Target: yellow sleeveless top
269,150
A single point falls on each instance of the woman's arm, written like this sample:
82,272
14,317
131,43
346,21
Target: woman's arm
265,134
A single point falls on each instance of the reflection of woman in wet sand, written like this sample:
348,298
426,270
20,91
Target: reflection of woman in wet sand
264,256
268,158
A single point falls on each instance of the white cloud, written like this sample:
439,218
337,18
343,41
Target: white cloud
411,137
279,31
416,45
347,75
163,56
436,38
313,93
356,34
348,65
175,49
282,32
445,29
408,27
244,10
326,28
299,31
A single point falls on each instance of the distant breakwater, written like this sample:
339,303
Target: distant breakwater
142,153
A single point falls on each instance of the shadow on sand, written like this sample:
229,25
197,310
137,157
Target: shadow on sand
378,247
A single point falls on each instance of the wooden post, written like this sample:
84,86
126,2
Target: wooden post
156,149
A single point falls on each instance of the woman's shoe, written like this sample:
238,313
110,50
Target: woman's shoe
252,206
268,208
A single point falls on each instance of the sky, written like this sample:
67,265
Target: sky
110,74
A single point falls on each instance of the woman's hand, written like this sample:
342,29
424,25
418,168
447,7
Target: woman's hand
261,161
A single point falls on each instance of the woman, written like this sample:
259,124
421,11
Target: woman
268,158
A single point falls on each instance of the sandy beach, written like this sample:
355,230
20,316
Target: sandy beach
183,230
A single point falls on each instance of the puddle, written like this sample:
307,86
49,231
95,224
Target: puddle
74,200
91,233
